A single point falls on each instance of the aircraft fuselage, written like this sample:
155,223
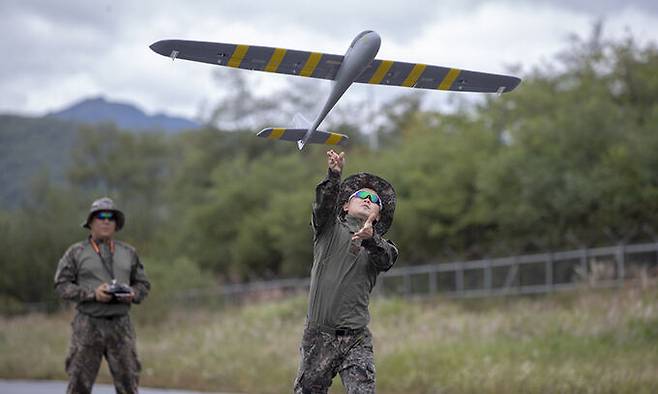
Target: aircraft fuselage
359,55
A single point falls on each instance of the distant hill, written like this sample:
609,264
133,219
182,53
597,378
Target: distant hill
41,146
125,116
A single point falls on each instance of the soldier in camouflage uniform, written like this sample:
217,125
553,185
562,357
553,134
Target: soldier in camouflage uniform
349,220
102,326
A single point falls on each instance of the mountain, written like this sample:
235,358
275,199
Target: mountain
125,116
32,147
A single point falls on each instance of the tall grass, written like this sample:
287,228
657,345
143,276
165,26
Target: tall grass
581,342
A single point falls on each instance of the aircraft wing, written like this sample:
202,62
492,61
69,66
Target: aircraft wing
325,66
422,76
251,57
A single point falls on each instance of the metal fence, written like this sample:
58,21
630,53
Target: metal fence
526,274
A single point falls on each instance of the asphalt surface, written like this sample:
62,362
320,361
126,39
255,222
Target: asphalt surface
52,386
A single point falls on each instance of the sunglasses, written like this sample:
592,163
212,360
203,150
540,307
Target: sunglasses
105,215
363,194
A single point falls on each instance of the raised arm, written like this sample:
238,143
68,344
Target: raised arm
326,193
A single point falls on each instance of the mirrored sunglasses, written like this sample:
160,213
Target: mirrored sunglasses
105,215
363,194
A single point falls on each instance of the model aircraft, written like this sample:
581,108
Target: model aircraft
357,65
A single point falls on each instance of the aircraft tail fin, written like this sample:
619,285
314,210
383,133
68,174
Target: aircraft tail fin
294,135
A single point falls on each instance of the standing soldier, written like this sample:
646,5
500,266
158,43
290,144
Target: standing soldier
349,220
104,277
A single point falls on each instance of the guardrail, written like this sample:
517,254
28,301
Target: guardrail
526,274
610,266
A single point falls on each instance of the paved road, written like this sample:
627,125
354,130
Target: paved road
52,386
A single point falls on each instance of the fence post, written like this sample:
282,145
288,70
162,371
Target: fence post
459,279
549,271
488,281
621,262
432,278
583,264
511,275
407,284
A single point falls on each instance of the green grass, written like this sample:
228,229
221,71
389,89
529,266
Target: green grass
581,342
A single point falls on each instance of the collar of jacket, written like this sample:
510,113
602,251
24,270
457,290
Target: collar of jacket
353,223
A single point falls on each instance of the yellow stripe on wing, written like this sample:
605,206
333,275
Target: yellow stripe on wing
333,139
276,133
238,55
275,60
414,75
381,71
311,64
449,79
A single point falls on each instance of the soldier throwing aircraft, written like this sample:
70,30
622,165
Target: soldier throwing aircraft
357,65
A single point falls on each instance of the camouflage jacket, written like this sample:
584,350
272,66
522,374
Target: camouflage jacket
344,271
80,271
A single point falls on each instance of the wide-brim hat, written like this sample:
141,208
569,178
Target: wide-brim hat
105,204
384,189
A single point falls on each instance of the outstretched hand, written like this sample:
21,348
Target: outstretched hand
335,161
367,231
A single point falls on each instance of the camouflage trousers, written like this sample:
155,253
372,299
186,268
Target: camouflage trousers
94,338
325,354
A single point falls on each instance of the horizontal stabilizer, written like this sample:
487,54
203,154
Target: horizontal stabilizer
318,136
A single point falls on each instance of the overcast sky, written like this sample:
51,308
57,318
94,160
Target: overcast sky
57,52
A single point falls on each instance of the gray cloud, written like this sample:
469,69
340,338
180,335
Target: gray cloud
603,7
60,51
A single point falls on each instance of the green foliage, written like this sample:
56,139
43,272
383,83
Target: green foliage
131,168
32,240
169,279
27,147
567,159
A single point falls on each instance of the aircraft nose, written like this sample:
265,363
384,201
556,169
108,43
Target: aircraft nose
372,35
373,42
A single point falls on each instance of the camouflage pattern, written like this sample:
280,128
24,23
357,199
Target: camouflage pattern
80,271
100,329
91,339
105,204
336,338
325,354
384,189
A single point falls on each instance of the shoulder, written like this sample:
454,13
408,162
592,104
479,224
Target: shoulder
74,250
126,246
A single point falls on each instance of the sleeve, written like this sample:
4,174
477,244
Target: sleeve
66,279
324,206
381,252
139,281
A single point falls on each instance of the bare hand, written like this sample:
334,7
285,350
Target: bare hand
101,295
335,161
367,231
